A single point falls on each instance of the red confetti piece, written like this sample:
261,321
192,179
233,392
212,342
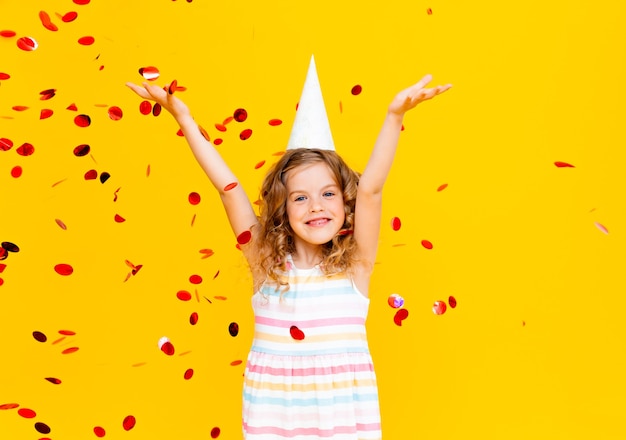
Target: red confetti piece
439,308
63,269
429,11
564,165
6,406
206,253
356,90
240,115
340,107
400,316
442,187
230,186
91,175
104,177
99,431
58,340
215,432
4,76
188,374
275,122
5,144
601,227
452,301
233,329
42,428
173,87
16,171
215,276
129,421
53,380
115,113
237,362
82,150
156,109
82,2
7,33
27,413
70,350
396,224
346,232
57,183
25,149
150,73
168,348
39,336
204,133
259,165
244,237
194,198
119,219
72,107
195,279
183,295
2,266
82,120
218,141
220,127
46,22
145,108
228,120
19,108
27,44
220,297
427,244
69,17
61,224
45,113
193,318
296,333
67,332
245,134
86,41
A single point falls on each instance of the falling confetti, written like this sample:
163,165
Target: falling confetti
99,431
27,413
442,187
27,44
119,219
150,73
104,177
244,237
47,94
70,350
275,122
53,380
206,253
45,113
5,144
259,165
63,269
429,11
400,316
356,90
220,127
215,432
7,33
601,227
156,109
230,186
25,149
16,171
166,346
69,17
233,329
188,374
395,301
452,301
39,336
240,115
439,308
195,279
427,244
183,295
42,428
245,134
86,40
82,120
145,107
194,198
563,165
91,175
296,333
6,406
129,421
172,87
396,224
115,113
193,318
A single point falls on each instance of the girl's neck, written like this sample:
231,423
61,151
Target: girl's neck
307,257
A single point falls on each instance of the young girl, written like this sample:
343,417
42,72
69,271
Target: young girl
309,373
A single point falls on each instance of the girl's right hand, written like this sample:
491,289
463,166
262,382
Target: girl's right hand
160,95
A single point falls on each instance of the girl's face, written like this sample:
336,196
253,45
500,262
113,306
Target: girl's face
315,207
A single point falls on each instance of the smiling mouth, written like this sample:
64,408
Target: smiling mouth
318,222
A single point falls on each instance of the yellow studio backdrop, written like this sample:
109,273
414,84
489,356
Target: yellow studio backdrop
530,249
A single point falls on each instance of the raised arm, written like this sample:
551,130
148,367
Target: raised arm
236,203
369,194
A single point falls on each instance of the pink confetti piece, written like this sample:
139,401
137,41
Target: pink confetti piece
395,301
601,227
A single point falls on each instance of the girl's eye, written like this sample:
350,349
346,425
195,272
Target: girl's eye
329,194
299,199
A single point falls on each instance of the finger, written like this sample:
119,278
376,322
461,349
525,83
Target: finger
141,91
424,81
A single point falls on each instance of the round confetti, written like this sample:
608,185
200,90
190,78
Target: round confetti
86,41
240,115
237,362
400,316
16,171
4,76
27,44
245,134
150,73
69,17
173,87
259,165
45,113
115,113
145,108
5,144
218,141
296,333
82,150
119,219
188,374
396,224
91,175
129,423
439,308
11,247
244,237
427,244
7,33
193,318
194,198
275,122
82,120
356,90
195,279
7,406
452,301
42,428
233,329
220,127
99,431
230,186
63,269
183,295
166,346
82,2
40,337
25,150
47,94
395,301
215,432
27,413
156,109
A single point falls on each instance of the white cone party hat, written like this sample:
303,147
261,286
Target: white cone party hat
310,127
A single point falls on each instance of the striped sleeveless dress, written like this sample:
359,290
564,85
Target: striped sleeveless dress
309,374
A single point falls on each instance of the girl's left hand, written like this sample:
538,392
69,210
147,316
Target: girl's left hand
409,98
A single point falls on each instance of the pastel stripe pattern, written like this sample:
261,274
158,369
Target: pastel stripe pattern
322,386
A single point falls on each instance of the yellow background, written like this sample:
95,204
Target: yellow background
534,349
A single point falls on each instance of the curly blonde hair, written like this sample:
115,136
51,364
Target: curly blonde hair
275,239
